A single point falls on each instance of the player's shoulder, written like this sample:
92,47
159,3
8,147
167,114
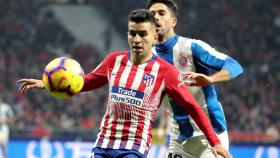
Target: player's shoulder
199,43
192,42
189,40
161,61
164,65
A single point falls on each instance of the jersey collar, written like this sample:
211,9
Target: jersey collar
154,57
167,44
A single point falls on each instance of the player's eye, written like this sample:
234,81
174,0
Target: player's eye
132,33
142,34
161,13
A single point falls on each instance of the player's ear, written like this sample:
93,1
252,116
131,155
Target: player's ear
174,21
155,38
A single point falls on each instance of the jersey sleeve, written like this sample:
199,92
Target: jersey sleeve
178,91
98,77
211,58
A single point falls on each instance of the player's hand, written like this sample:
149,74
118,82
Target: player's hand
220,150
27,84
199,79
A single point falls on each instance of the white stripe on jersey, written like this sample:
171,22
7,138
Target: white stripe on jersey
143,145
116,68
135,85
132,133
107,134
125,74
138,79
122,83
157,97
148,92
111,115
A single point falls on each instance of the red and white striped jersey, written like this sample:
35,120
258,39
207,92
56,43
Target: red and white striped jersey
135,94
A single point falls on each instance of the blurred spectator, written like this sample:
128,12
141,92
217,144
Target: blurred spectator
6,118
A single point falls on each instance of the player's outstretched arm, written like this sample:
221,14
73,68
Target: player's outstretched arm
27,84
220,150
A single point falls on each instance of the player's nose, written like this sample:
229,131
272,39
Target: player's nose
156,16
137,38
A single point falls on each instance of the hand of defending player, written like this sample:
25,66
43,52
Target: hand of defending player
220,150
27,84
199,79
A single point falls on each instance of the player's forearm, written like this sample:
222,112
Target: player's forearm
93,81
89,84
220,76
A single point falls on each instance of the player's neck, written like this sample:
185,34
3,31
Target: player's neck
140,59
164,38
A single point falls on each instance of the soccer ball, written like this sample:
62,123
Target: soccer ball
63,77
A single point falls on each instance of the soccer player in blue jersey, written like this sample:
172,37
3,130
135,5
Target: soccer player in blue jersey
195,60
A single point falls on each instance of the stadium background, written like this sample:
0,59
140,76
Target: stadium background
35,31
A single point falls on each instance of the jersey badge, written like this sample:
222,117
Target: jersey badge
148,79
183,59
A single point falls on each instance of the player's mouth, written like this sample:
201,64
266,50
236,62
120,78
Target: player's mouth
158,26
137,48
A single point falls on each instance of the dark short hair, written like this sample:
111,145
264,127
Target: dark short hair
142,15
171,4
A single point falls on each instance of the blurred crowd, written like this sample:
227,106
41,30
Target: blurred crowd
30,36
249,31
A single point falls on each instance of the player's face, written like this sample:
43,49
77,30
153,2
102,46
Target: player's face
165,19
141,37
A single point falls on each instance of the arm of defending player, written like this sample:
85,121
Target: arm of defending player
177,90
30,83
98,77
209,57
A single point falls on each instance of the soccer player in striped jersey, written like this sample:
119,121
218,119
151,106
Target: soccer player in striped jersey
137,80
195,60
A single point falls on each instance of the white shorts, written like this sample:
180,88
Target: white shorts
195,147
